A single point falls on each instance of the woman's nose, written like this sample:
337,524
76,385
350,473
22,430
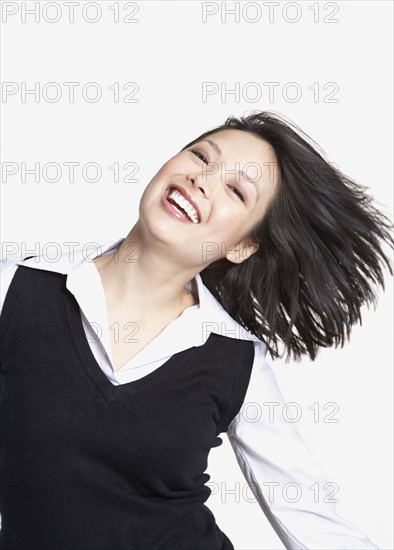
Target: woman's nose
199,182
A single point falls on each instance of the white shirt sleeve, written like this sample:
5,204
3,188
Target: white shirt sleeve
271,453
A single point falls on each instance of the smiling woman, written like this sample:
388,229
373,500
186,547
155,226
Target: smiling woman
295,245
317,240
225,202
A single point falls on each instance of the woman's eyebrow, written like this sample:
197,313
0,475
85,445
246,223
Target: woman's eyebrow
214,145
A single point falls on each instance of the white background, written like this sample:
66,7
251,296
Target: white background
170,52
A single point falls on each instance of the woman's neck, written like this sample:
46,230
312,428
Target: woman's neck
145,281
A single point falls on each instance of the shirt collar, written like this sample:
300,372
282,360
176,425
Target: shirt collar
210,313
69,259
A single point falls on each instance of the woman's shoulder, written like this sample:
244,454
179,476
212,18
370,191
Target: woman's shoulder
221,321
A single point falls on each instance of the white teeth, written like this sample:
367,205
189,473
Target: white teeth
185,204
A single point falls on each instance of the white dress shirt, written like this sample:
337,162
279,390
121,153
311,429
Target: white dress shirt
266,451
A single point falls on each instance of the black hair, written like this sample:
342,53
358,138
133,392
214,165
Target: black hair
318,250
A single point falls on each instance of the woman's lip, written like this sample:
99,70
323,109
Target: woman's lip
171,209
185,194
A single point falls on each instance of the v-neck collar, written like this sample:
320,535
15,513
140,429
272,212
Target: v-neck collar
86,285
197,322
110,392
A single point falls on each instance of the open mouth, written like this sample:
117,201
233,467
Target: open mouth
181,206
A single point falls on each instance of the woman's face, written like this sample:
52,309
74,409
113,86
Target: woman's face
230,182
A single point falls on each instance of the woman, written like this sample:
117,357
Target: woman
247,224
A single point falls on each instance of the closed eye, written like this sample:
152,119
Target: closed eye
238,192
199,155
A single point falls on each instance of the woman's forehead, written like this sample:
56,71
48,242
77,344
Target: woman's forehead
230,142
255,155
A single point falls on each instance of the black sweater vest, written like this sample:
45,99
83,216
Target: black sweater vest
87,465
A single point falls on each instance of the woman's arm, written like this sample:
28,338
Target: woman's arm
272,454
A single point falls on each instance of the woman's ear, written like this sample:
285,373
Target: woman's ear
242,251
